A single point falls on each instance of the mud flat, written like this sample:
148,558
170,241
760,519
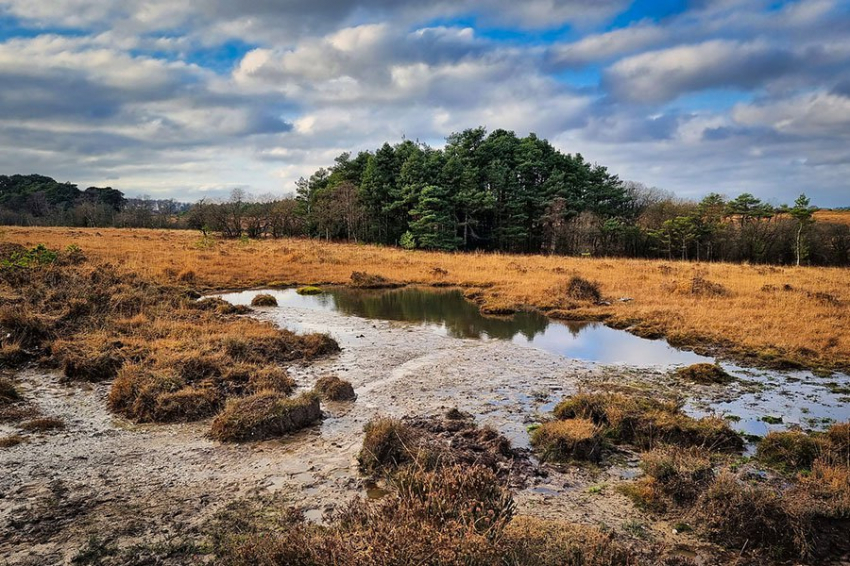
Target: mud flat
106,478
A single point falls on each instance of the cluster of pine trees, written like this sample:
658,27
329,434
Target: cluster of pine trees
493,192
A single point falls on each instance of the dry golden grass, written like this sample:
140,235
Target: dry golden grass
771,315
833,216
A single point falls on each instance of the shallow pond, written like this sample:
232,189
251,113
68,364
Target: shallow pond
756,399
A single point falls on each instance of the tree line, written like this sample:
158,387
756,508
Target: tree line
38,200
483,191
500,192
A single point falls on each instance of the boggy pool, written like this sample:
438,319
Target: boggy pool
759,401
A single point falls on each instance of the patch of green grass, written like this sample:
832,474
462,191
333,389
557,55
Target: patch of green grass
309,290
770,419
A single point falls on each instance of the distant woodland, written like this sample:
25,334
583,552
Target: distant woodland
484,191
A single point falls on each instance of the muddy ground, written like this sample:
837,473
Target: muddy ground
129,485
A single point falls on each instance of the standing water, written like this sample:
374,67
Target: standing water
758,402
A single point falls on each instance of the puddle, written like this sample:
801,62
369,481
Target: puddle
799,398
448,313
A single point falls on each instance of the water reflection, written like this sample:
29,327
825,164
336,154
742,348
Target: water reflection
446,311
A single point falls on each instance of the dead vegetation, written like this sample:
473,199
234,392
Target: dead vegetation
11,440
332,388
440,510
172,358
263,415
803,515
263,300
43,424
8,392
647,422
704,374
573,439
744,322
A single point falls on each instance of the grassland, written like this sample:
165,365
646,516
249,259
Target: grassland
762,314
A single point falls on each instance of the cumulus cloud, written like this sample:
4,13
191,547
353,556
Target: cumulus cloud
186,99
658,76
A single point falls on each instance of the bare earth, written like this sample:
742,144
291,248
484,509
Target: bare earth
132,484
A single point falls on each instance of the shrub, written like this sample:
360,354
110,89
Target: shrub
309,290
8,392
332,388
790,450
387,444
704,373
737,515
264,300
581,289
263,415
574,439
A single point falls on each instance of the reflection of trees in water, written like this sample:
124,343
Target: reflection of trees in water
461,318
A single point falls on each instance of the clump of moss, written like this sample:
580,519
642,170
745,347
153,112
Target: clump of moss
8,392
648,422
43,424
387,444
705,374
581,289
332,388
265,415
574,439
264,300
790,450
309,290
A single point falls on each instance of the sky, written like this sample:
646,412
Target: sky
190,99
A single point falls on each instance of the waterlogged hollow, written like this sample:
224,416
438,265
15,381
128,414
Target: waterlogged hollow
797,397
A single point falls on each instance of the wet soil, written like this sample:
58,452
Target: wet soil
105,477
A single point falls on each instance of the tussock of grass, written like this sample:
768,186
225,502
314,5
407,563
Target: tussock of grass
648,422
387,444
265,415
264,300
365,280
574,439
172,358
790,450
332,388
672,475
12,354
581,289
705,374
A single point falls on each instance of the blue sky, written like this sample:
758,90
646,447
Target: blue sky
188,100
